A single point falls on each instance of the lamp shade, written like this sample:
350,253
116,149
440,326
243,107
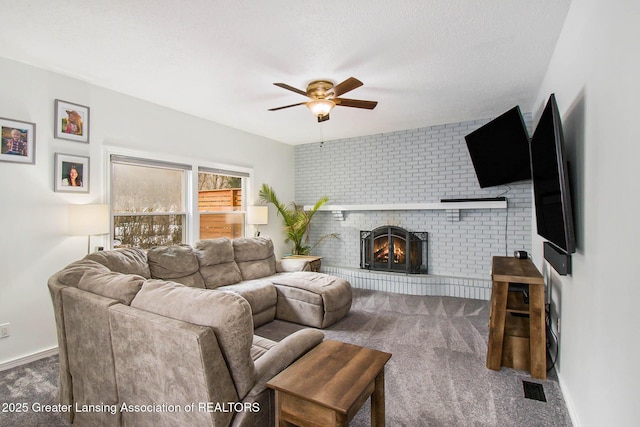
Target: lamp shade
257,215
321,107
88,220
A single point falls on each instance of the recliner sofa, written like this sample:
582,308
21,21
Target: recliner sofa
166,336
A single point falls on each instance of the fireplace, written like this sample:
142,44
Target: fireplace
391,248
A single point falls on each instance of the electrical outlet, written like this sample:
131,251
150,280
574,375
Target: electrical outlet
4,330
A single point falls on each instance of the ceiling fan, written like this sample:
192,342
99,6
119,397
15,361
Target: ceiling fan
324,95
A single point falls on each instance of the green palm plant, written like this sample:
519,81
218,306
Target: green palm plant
296,220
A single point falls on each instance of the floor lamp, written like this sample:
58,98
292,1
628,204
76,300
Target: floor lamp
257,215
88,220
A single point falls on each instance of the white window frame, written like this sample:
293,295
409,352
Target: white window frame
192,226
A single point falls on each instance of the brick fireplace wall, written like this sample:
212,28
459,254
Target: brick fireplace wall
412,166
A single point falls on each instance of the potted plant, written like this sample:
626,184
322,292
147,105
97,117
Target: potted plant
296,220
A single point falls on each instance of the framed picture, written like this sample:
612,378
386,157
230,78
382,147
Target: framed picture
71,173
72,121
18,141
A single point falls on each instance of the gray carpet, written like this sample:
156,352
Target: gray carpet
436,376
30,385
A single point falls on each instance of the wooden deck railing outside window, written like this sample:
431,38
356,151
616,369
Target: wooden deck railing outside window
220,213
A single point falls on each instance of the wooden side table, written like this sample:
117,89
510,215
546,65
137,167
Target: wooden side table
315,262
517,335
328,386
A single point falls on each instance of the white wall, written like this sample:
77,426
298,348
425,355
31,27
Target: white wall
34,241
595,75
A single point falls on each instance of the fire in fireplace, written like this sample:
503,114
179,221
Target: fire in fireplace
391,248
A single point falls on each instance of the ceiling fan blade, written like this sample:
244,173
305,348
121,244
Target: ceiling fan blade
350,84
356,103
291,88
286,106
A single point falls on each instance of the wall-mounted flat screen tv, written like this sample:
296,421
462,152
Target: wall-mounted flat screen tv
551,187
499,150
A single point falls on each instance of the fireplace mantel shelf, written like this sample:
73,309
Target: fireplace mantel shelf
502,204
452,208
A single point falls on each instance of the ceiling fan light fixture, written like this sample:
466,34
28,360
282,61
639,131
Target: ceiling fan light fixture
321,107
324,95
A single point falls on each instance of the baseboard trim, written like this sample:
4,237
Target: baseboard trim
568,401
29,358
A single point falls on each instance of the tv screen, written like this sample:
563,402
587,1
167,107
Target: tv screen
499,150
551,189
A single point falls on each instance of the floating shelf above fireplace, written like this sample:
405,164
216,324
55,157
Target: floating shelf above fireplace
502,204
338,210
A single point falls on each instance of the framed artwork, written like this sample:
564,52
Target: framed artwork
71,121
18,141
71,173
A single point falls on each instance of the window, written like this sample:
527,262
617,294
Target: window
148,202
220,203
161,202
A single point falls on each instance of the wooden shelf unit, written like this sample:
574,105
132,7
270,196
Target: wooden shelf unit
517,335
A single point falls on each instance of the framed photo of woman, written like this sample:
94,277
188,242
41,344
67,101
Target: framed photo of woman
71,121
71,174
18,141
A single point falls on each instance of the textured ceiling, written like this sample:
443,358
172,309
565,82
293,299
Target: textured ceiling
426,62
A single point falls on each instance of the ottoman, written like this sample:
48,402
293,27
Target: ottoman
313,299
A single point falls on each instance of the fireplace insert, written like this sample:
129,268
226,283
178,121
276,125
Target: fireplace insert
391,248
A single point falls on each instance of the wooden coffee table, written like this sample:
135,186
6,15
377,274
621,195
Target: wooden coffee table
329,385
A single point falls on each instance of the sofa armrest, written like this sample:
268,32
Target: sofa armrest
292,264
283,354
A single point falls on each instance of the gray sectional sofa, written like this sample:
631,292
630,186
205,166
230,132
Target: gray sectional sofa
166,336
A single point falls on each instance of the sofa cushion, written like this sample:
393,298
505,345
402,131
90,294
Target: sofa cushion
89,356
177,263
272,359
72,273
260,293
228,314
312,299
125,260
163,360
217,265
261,346
111,284
255,257
315,288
